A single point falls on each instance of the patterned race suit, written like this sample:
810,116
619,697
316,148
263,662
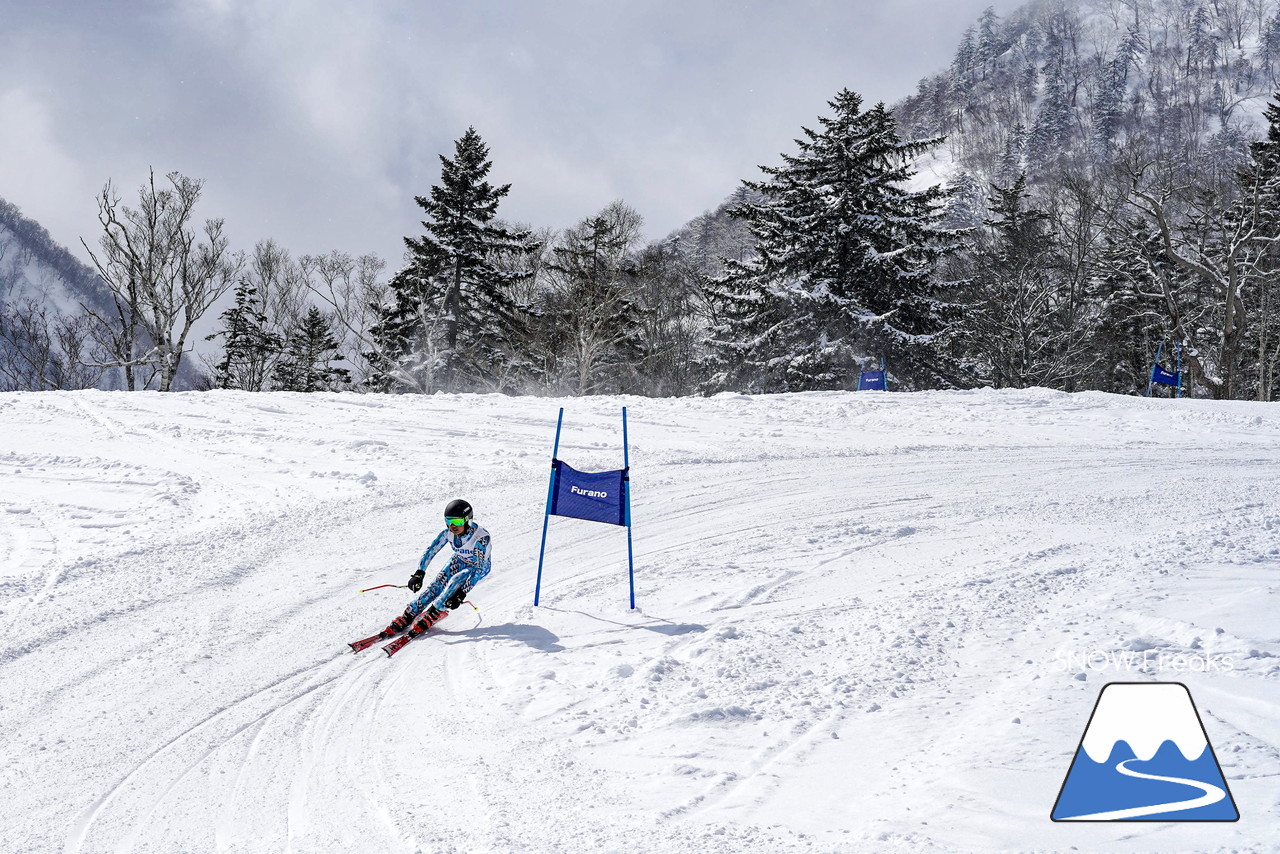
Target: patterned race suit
469,564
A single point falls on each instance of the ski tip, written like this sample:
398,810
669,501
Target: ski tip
395,646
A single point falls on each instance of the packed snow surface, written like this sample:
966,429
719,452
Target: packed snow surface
867,622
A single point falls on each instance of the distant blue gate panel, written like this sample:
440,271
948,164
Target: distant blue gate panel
872,380
1163,377
595,496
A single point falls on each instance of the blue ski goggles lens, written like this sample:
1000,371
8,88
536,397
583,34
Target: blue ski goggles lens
455,521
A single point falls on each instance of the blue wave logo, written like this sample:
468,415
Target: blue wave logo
1145,756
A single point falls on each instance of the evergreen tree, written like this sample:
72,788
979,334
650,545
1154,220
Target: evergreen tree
1050,132
1126,292
965,207
965,59
1113,82
1259,183
1269,48
406,337
1019,332
250,348
990,39
307,363
843,266
451,314
1011,165
1202,52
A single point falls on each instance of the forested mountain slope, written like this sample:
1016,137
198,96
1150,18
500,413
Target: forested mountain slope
1112,168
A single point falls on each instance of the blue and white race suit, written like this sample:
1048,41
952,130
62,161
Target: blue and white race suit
469,564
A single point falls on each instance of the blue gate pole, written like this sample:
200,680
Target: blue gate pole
551,491
1152,378
1178,393
884,375
626,494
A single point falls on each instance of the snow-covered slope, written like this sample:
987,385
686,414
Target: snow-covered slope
33,267
867,622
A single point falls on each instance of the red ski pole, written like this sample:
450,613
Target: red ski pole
380,586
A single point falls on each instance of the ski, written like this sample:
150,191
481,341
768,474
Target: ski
423,624
361,645
397,645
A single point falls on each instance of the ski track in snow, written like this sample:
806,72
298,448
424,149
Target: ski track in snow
854,613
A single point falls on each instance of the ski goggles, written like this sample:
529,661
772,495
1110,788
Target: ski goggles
455,521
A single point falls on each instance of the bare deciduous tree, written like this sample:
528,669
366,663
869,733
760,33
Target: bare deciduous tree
271,302
162,276
1220,248
42,350
592,297
350,287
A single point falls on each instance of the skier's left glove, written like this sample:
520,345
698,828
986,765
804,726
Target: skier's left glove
415,581
456,599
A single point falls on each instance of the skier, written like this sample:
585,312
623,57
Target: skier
469,564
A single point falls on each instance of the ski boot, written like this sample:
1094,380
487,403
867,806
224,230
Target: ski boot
426,621
398,625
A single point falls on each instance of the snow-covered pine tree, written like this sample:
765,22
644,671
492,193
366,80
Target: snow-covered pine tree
1047,140
843,265
309,354
1112,88
1021,330
250,348
451,313
1260,186
1012,160
406,340
1269,49
1125,291
966,57
990,38
966,205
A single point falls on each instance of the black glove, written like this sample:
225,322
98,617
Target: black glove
457,598
415,580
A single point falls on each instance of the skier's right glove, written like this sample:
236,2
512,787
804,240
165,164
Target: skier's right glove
415,580
455,601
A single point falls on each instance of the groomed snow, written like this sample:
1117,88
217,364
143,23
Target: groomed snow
872,622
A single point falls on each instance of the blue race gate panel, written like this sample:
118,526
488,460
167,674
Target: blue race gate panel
872,380
1159,376
1162,377
595,496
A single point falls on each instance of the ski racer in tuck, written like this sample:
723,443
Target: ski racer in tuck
469,564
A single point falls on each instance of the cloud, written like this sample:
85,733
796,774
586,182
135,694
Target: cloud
317,122
34,166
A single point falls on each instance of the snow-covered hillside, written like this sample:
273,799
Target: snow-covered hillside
33,267
867,622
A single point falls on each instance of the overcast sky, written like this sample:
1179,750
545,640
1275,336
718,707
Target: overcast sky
316,122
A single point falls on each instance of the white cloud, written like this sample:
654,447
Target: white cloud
317,121
37,171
